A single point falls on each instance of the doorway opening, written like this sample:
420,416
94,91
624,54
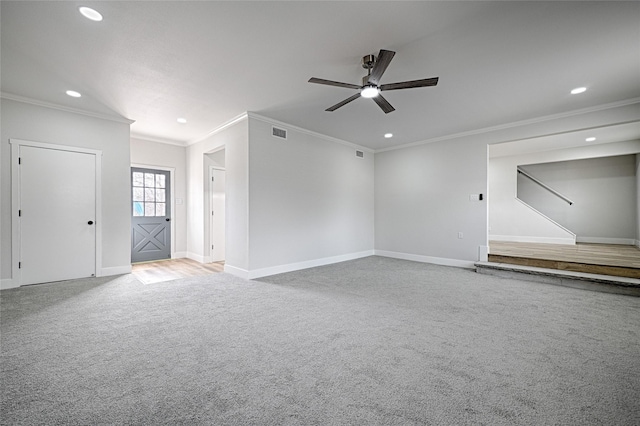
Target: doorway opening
215,200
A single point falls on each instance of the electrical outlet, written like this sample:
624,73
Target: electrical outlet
460,235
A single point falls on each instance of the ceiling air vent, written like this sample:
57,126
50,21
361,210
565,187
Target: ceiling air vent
360,154
278,133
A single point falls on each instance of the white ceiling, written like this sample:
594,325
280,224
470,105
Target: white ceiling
152,62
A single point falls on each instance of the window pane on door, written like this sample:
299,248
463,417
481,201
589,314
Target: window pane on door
138,179
149,194
149,180
138,194
138,209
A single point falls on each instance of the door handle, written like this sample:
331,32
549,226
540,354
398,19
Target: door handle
168,219
90,222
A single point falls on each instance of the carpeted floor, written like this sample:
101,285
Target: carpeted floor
374,341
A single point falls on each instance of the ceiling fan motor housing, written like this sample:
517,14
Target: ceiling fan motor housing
368,61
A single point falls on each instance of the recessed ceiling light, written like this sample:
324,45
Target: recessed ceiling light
73,93
578,90
591,139
182,120
388,135
369,91
89,13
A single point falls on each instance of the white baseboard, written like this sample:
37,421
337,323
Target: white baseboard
523,239
238,272
280,269
179,255
115,270
196,257
638,243
7,283
599,240
483,253
427,259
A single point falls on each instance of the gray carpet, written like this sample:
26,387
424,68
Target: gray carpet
374,341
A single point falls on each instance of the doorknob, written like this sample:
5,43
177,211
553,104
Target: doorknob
168,219
90,222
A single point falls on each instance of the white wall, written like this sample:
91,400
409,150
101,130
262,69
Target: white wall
235,141
154,154
507,216
603,192
311,200
43,124
422,202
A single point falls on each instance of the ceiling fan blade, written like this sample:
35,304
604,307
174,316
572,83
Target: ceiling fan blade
343,103
383,104
410,84
384,58
333,83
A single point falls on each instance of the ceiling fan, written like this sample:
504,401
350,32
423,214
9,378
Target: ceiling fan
370,83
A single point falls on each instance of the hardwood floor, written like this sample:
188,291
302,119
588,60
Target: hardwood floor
167,270
604,259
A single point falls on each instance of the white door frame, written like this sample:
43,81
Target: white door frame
16,276
211,169
172,172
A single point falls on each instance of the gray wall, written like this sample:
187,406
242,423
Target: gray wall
603,191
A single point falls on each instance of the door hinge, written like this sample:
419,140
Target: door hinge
211,246
211,212
212,179
19,160
19,213
19,265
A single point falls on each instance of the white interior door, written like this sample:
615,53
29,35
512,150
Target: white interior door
57,215
217,214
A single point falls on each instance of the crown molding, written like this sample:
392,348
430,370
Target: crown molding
157,140
25,100
218,129
309,132
513,124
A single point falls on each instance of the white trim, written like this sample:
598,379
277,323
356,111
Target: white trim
528,239
25,100
196,257
172,173
638,243
7,283
179,255
218,129
483,253
309,132
573,235
280,269
520,123
15,201
467,264
604,240
115,270
149,138
238,272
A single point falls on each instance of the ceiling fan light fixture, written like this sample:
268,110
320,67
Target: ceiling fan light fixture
370,91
